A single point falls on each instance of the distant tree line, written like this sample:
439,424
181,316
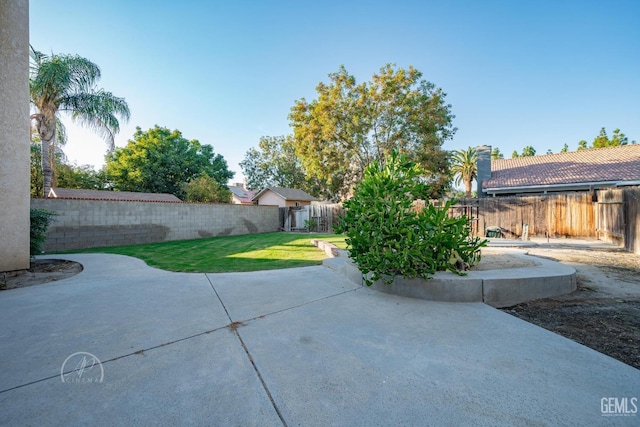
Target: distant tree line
157,161
348,126
154,161
335,137
601,141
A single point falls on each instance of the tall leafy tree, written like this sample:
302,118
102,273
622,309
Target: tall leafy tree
273,163
602,140
464,166
205,189
349,126
36,170
162,161
67,84
73,176
618,139
496,154
526,152
69,176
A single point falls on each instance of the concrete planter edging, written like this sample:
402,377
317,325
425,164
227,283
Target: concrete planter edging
498,288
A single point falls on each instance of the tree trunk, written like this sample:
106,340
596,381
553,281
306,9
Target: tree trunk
52,161
46,128
46,167
467,188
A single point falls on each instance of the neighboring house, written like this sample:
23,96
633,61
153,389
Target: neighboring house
283,197
240,195
584,170
127,196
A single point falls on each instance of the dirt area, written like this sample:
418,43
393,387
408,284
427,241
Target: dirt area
604,313
41,271
497,259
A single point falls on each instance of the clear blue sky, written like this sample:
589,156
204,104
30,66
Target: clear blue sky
541,73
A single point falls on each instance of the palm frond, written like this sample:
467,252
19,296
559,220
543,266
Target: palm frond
36,58
61,132
464,164
54,78
98,111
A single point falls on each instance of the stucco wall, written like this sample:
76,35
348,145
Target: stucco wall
93,223
269,198
14,135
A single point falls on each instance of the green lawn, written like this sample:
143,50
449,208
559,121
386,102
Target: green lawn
253,252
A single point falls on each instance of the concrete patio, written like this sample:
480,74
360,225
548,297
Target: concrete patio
290,347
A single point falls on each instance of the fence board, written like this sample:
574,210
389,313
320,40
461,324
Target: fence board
610,223
611,215
566,215
631,200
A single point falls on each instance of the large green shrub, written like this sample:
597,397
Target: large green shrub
40,220
386,236
205,189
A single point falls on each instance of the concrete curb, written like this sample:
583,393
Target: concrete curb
330,249
498,288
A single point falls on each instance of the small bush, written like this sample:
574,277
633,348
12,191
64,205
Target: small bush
40,220
385,235
310,224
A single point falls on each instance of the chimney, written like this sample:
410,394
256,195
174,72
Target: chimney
484,167
239,185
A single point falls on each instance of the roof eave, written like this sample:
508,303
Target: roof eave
258,194
558,187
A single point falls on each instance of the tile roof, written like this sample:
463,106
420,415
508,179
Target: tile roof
126,196
244,196
612,164
288,194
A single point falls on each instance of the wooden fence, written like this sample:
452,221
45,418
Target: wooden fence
465,207
632,219
610,223
618,217
558,215
611,215
314,217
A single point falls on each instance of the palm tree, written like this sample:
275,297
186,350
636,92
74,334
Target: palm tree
66,83
464,167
